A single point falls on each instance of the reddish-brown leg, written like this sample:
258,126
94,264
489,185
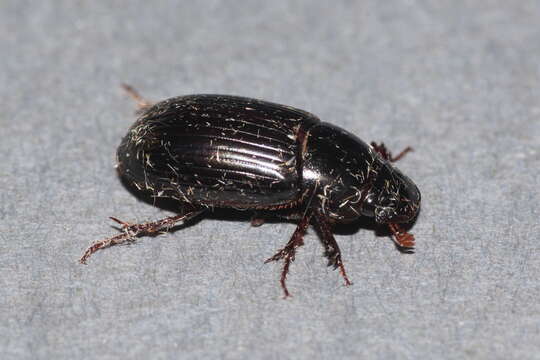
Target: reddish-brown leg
403,238
131,231
142,103
386,154
289,251
332,251
257,220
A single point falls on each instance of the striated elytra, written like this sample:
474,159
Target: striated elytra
209,151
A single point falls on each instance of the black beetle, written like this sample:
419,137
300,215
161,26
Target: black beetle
226,151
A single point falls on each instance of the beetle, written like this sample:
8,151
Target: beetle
207,151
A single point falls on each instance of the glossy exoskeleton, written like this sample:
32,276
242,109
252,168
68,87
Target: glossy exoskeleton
210,151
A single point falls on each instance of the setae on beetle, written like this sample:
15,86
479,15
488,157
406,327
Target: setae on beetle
207,151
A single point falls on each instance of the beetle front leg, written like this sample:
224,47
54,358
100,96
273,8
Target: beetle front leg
402,238
332,251
131,231
289,251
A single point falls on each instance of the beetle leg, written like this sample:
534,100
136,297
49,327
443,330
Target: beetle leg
332,251
257,220
131,231
289,251
403,238
142,103
386,154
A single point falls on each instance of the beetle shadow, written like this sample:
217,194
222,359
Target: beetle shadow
380,230
236,215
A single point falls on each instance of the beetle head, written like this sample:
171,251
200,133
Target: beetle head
393,198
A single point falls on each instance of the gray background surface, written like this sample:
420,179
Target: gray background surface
458,80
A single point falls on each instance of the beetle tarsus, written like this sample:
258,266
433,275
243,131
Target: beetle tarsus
403,238
131,231
332,251
288,253
386,154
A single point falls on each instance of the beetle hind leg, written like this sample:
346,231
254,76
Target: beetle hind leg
288,253
332,251
131,231
386,154
142,103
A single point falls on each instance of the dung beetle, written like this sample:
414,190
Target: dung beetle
207,151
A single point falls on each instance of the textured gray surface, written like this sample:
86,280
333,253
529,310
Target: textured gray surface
458,80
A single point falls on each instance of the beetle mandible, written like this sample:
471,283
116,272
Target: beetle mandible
209,151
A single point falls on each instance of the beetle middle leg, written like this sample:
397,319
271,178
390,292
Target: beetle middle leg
332,251
386,154
131,231
288,253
